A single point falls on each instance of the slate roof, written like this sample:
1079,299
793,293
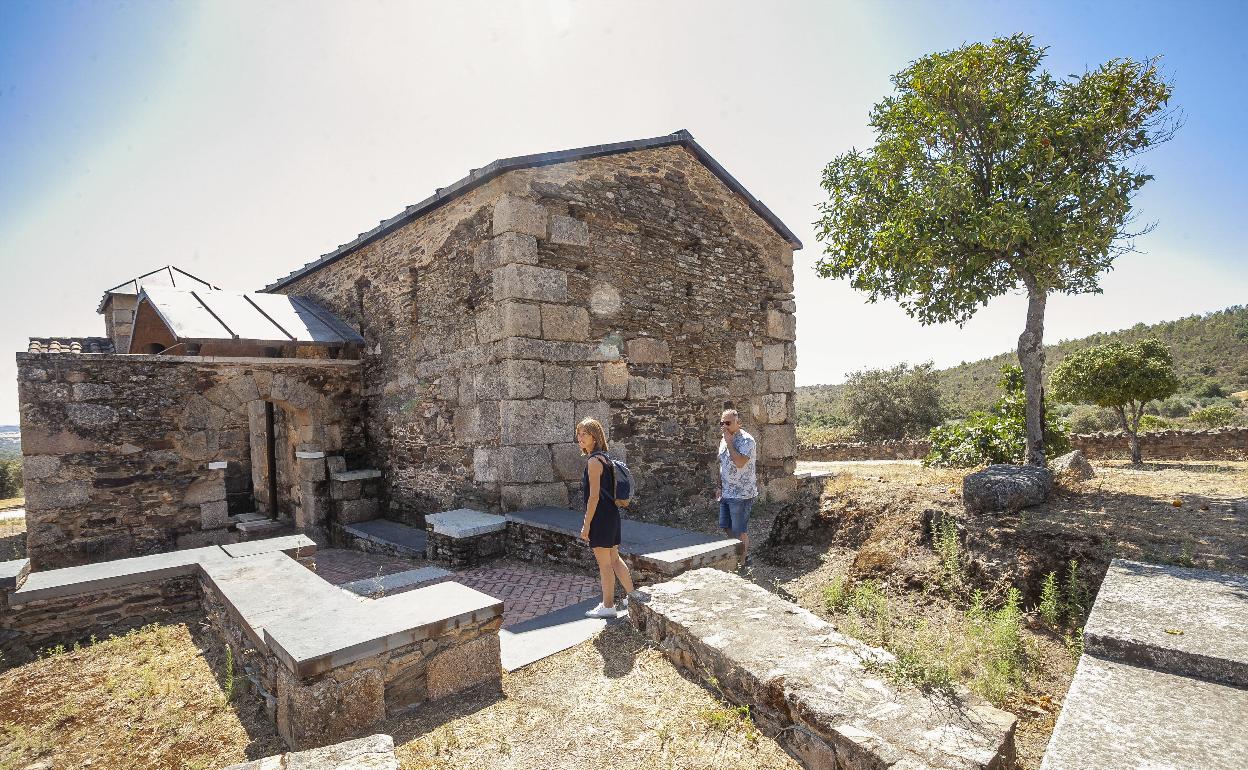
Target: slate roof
70,345
211,316
480,176
169,275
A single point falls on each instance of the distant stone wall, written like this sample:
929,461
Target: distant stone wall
633,288
1223,444
126,455
904,449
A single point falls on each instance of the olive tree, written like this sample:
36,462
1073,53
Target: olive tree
1121,377
989,175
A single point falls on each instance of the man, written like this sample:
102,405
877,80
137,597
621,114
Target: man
737,482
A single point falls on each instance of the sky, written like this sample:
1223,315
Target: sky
239,140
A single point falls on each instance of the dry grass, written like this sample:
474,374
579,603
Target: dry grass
610,702
149,699
12,539
9,503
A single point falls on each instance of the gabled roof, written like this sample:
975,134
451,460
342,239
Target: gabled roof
480,176
214,315
169,275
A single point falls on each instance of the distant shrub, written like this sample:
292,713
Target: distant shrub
892,403
1205,388
999,436
10,478
1151,423
1216,416
1091,419
819,434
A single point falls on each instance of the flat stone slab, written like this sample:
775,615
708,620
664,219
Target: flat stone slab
291,545
821,693
1189,622
387,584
12,573
543,636
87,578
375,752
363,475
1122,717
464,522
260,526
665,549
389,533
239,518
310,643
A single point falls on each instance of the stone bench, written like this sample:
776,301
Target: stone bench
464,537
375,752
1162,681
818,692
333,664
653,552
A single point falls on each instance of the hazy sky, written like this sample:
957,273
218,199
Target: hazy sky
240,140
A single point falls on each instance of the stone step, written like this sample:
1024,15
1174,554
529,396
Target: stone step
241,517
263,527
385,537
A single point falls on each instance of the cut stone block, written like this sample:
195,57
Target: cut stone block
1188,622
614,380
356,511
1005,488
521,496
536,422
517,215
539,284
506,249
517,319
389,537
648,350
360,475
464,666
464,522
526,464
295,546
568,461
745,356
13,573
584,384
566,231
214,515
820,692
781,382
773,357
521,379
781,326
558,382
1122,717
565,322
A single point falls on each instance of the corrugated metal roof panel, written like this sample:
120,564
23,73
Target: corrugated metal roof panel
185,315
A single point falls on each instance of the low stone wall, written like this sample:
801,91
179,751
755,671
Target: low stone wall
820,694
27,629
904,449
1222,444
462,552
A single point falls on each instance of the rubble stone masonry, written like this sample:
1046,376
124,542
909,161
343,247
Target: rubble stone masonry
125,455
635,288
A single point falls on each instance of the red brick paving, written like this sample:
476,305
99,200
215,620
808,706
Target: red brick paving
527,592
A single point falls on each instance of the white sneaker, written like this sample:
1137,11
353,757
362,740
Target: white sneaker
601,612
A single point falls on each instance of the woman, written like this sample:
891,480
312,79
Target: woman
602,516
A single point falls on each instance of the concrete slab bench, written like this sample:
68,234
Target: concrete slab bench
652,551
386,538
1163,679
464,537
820,693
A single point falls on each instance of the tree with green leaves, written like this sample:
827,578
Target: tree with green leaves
1121,377
990,175
892,403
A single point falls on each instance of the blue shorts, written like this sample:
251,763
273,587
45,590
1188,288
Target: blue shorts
734,514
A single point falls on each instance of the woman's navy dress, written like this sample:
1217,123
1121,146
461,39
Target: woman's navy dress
604,530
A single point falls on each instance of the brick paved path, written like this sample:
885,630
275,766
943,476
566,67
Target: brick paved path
527,592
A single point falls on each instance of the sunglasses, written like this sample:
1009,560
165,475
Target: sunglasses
725,422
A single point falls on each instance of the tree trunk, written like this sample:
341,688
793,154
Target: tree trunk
1031,359
1131,427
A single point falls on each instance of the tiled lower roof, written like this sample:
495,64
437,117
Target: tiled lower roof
70,345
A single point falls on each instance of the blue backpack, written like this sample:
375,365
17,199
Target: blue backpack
623,487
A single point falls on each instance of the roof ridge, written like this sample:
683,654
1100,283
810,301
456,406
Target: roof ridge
479,176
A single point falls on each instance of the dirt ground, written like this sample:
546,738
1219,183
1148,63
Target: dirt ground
875,528
12,539
154,699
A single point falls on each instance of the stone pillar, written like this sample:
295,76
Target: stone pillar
312,507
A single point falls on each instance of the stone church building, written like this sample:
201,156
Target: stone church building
440,360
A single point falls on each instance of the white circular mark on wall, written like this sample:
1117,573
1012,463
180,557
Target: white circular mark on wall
604,300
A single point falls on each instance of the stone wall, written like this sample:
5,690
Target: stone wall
129,454
1223,444
902,449
634,288
29,628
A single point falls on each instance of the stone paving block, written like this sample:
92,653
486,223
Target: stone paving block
1189,622
385,585
1122,717
820,692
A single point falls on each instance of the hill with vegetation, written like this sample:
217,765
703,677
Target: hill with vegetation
1210,354
10,441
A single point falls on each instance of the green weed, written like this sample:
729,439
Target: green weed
1049,607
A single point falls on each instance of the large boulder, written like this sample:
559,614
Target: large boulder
1073,465
1005,488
